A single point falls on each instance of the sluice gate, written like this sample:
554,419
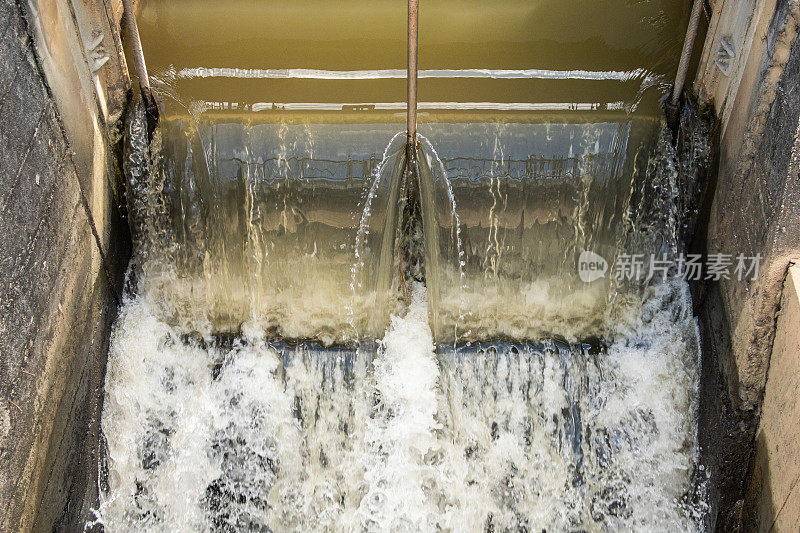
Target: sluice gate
437,266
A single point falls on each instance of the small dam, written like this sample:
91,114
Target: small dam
399,266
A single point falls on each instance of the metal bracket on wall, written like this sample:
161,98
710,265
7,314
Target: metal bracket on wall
726,53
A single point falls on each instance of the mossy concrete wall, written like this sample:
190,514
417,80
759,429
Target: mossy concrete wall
63,86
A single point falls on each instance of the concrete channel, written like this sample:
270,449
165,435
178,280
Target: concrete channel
64,89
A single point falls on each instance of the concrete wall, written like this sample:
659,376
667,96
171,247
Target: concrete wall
772,502
749,201
753,208
64,246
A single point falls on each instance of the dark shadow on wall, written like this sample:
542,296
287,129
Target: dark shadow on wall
725,431
758,511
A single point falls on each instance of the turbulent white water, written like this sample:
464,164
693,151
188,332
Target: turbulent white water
240,434
210,431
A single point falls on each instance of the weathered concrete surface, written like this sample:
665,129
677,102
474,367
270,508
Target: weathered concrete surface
751,198
64,251
773,497
733,55
754,209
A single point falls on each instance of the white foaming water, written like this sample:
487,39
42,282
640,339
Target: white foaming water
401,432
239,434
236,432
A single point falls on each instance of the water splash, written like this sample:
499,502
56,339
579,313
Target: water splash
221,430
243,434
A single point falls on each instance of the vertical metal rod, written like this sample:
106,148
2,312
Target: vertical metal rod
136,44
413,8
686,55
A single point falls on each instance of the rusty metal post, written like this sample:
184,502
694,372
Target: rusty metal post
413,8
150,104
136,43
673,107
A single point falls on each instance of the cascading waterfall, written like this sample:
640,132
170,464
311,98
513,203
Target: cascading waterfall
504,229
317,336
212,422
